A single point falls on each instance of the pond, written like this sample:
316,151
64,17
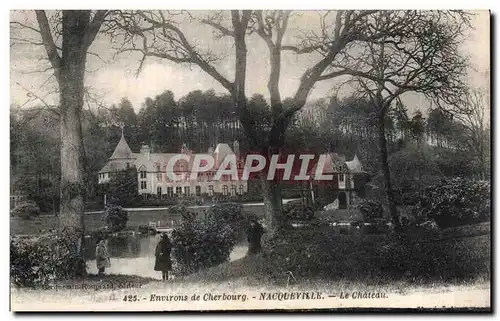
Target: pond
134,254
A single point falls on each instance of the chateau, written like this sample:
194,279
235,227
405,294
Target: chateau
153,179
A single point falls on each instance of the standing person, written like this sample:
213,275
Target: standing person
101,255
162,253
254,234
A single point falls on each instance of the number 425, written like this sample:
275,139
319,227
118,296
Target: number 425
130,298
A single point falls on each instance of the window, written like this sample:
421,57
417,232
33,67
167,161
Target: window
128,165
158,177
158,191
210,190
241,190
170,191
178,190
224,190
186,190
143,174
143,185
341,177
233,190
198,190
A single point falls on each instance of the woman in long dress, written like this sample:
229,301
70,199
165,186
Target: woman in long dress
162,253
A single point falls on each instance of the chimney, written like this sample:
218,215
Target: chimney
145,150
236,148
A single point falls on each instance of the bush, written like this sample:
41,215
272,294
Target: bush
122,188
199,244
26,210
297,211
116,218
325,253
321,202
455,202
371,210
38,261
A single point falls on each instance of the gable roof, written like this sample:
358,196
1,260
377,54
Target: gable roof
354,166
335,163
116,165
122,150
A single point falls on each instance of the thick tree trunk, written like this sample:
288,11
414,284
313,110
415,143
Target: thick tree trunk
71,87
387,174
72,174
273,204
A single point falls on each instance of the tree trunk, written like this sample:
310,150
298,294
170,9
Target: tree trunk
72,170
71,87
387,174
273,204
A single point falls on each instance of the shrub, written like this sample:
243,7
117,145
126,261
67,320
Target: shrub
455,202
371,210
204,243
26,210
38,261
297,211
122,188
116,218
325,253
321,202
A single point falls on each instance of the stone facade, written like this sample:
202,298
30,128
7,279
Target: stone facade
153,179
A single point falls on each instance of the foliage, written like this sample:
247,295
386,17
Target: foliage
115,217
26,210
297,211
330,255
371,210
41,260
123,187
208,242
456,201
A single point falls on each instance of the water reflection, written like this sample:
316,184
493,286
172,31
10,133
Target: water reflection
125,246
135,254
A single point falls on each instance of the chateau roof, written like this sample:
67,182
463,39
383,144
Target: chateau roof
150,161
122,150
335,163
116,165
354,166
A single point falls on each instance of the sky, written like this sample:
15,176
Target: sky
115,78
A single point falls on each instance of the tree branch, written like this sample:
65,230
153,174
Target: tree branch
223,30
48,42
93,28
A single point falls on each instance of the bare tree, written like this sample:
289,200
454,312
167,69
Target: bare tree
475,124
422,58
66,37
156,34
